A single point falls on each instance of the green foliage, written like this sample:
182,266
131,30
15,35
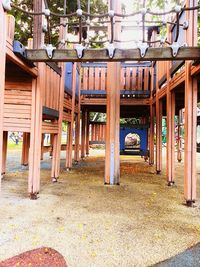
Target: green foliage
24,23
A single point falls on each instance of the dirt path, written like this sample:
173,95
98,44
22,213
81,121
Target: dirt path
138,223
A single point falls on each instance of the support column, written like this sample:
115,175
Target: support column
5,143
42,147
151,135
190,137
25,149
190,112
179,148
71,128
2,80
69,140
158,136
78,119
87,133
170,130
56,173
83,133
170,137
112,160
36,112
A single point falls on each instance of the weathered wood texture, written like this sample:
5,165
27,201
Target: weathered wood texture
132,78
2,80
158,54
112,161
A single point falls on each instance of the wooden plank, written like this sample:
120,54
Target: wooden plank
103,79
91,79
85,79
158,54
96,79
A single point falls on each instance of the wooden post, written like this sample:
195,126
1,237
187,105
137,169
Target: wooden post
36,114
70,144
2,80
190,113
42,147
190,137
78,118
170,130
83,134
57,139
158,136
151,135
180,123
112,160
5,143
87,132
25,149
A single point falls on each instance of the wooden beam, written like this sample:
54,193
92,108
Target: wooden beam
2,80
91,55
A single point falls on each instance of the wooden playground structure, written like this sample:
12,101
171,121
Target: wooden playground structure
39,91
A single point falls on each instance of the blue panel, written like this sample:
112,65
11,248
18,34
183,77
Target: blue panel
142,132
68,78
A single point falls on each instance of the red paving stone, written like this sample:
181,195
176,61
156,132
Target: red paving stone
41,257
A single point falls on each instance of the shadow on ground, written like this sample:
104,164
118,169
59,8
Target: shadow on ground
188,258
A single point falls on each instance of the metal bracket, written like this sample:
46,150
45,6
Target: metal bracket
111,50
6,5
49,49
143,49
175,47
79,50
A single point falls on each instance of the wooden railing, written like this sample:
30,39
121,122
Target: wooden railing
51,88
134,77
97,132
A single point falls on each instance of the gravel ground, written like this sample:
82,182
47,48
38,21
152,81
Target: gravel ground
139,223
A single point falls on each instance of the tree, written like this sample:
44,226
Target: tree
24,23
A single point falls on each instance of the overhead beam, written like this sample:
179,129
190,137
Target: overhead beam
70,55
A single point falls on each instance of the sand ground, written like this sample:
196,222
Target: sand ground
138,223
